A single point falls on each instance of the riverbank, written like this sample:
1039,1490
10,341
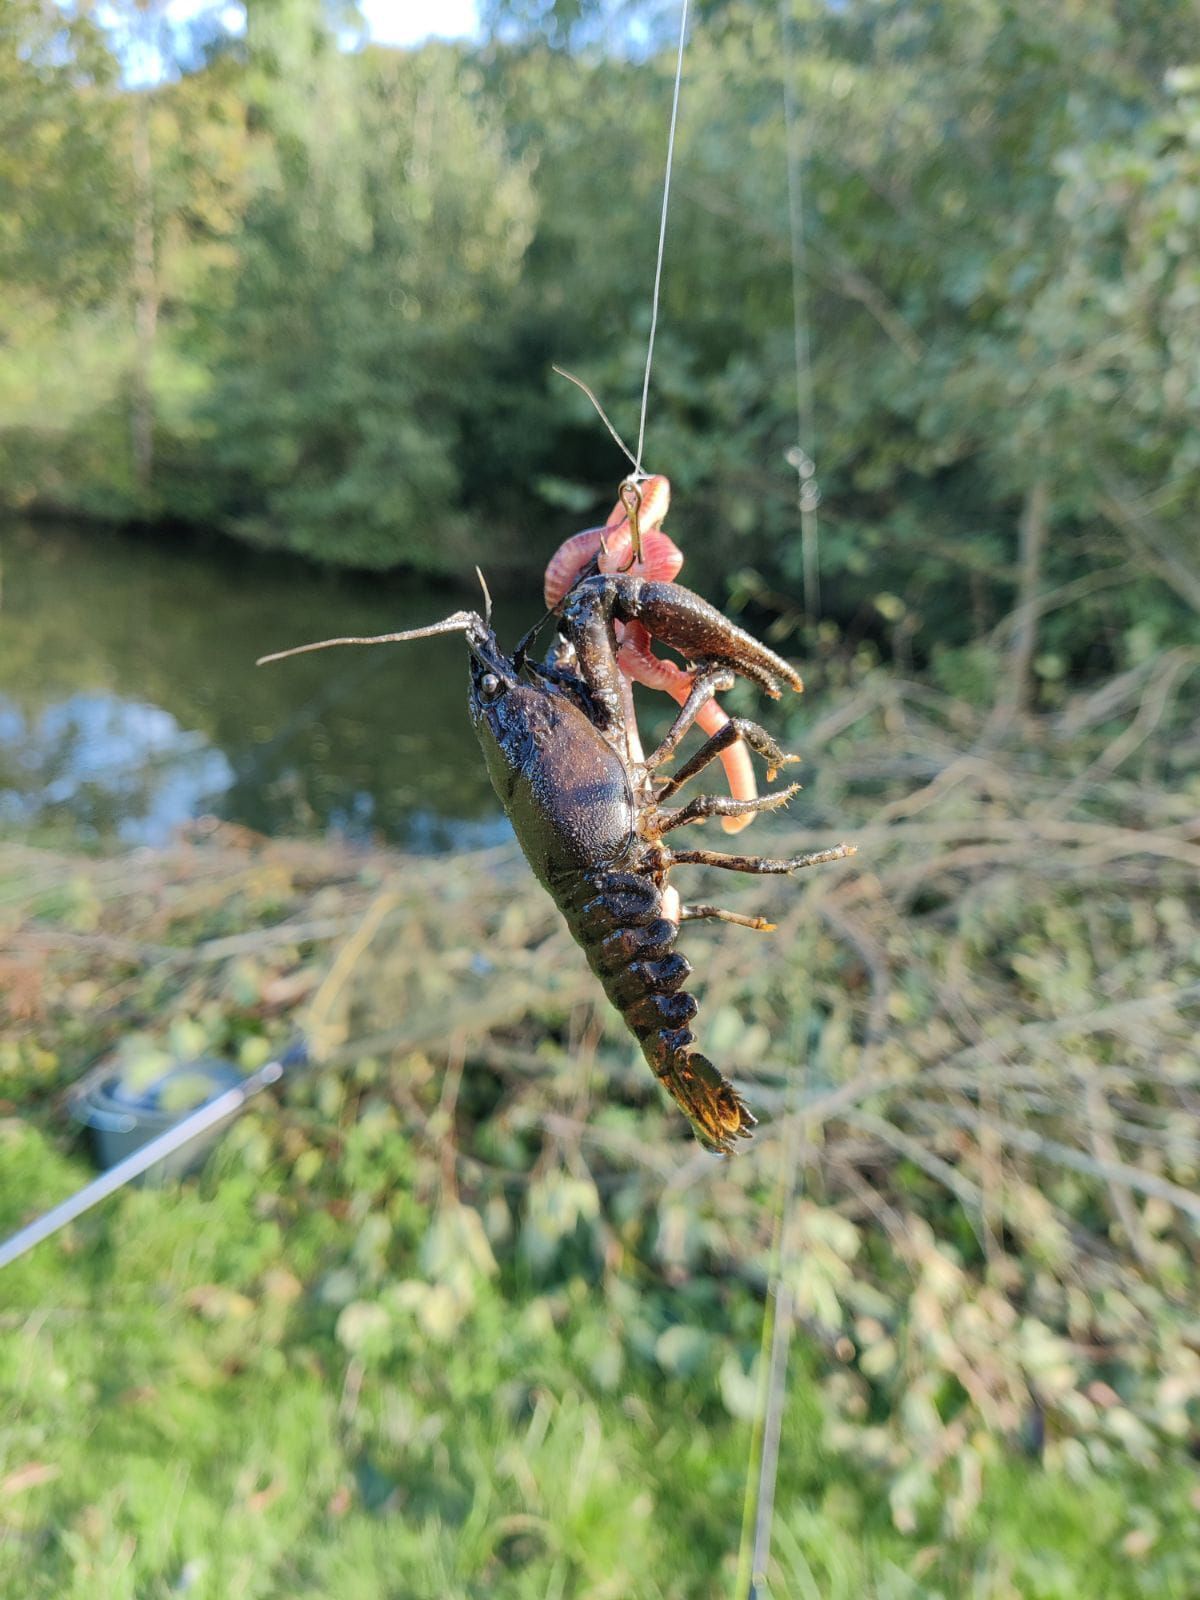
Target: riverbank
477,1259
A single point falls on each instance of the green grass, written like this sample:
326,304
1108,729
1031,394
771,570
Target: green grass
216,1391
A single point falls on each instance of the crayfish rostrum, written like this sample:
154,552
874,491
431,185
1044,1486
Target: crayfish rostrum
589,808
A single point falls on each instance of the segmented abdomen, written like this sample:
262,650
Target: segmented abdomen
630,946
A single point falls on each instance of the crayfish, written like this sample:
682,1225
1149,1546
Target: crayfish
589,808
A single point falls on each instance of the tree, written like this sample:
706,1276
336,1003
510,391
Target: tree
369,270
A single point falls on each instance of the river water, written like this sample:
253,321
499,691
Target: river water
130,703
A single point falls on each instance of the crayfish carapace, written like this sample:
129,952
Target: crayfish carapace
589,809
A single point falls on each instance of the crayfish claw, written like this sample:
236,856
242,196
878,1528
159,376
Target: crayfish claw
678,618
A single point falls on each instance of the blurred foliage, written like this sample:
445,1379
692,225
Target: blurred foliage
364,263
468,1309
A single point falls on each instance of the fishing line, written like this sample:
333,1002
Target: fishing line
662,240
758,1511
779,1313
807,489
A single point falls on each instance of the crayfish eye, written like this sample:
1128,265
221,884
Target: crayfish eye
489,686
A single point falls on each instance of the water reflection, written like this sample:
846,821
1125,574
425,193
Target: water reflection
112,767
153,713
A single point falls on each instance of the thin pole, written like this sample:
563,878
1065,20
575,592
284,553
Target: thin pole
758,1512
662,240
782,1323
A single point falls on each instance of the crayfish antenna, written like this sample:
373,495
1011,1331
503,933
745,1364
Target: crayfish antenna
460,622
600,411
487,597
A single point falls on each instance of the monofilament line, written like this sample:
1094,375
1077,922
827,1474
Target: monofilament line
803,453
662,239
778,1325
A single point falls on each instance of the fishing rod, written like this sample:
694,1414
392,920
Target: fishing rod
222,1108
309,1050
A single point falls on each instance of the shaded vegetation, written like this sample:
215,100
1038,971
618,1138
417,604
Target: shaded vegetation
351,271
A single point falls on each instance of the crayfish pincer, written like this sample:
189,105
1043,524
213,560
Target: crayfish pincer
589,809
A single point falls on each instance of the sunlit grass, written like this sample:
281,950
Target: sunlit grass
183,1415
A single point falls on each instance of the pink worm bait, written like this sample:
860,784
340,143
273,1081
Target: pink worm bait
612,548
